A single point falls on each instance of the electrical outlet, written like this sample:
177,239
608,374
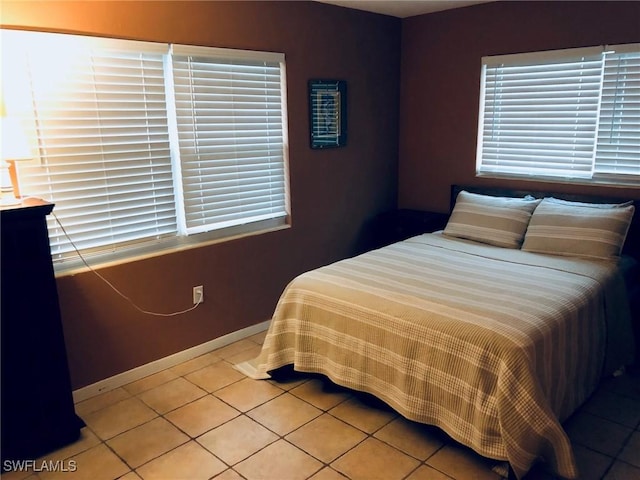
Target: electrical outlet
198,294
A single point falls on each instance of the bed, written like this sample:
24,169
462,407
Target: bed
495,329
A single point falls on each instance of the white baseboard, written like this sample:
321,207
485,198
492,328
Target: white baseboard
167,362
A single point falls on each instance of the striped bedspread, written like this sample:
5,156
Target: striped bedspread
495,346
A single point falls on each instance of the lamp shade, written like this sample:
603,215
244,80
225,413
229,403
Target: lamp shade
14,143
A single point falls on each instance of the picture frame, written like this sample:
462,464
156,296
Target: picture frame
327,113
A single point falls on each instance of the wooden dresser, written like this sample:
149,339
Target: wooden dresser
38,414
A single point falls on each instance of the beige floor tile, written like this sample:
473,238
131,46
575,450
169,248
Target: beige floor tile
597,433
195,364
631,451
248,354
327,473
171,395
361,415
97,463
425,472
130,476
248,393
147,442
215,376
591,465
188,461
152,381
234,348
623,471
202,415
614,407
280,460
229,474
119,417
101,401
419,441
373,459
237,439
460,462
284,414
326,438
321,394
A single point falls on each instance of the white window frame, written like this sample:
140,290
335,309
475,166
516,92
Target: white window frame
21,102
566,116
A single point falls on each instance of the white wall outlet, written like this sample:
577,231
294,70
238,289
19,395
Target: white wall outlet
198,294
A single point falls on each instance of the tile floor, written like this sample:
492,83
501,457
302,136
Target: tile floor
203,419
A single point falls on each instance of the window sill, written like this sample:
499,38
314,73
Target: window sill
632,182
173,245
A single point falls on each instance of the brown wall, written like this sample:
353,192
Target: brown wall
434,78
440,84
333,192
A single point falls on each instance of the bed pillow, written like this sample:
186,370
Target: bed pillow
592,205
560,227
499,221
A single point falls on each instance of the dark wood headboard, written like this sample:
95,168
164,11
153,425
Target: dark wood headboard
631,245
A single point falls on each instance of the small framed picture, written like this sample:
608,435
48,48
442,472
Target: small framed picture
328,113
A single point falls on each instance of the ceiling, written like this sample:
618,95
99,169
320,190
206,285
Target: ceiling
403,8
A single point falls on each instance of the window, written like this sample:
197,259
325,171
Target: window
571,114
146,146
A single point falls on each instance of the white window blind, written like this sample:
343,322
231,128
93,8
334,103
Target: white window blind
230,130
137,147
571,114
618,146
101,121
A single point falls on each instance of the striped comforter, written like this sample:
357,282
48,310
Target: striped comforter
495,346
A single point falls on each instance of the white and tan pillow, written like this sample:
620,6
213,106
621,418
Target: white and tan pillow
592,205
499,221
560,227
